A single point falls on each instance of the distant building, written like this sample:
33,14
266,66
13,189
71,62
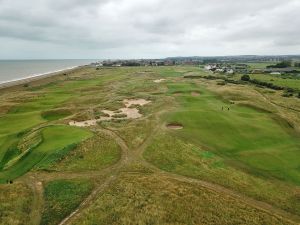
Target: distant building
279,70
275,73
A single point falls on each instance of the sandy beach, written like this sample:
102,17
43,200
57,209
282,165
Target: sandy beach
35,77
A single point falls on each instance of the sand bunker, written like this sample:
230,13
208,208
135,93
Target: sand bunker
175,126
177,93
132,113
159,80
123,113
131,102
86,123
195,93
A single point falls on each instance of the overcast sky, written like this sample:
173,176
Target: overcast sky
147,29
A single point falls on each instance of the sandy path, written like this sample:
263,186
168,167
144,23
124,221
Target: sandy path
107,176
38,198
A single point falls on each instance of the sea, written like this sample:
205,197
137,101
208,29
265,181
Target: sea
12,70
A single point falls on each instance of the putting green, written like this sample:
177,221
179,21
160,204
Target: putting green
56,139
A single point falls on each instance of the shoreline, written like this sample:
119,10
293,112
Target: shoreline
34,77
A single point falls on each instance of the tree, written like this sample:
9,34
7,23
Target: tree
245,77
283,64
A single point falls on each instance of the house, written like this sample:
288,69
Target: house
275,73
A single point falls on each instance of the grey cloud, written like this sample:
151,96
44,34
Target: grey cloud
154,28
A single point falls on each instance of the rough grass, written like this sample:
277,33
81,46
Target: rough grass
171,154
15,204
96,153
142,199
62,197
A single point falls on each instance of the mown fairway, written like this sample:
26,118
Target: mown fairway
255,138
200,153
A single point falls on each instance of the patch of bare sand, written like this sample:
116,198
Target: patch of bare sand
159,80
195,93
130,102
86,123
175,126
177,93
130,112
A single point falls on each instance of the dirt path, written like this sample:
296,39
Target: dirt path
107,176
111,172
263,206
100,189
38,199
137,156
215,187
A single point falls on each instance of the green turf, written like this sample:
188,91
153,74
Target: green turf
55,140
62,197
95,153
15,123
55,114
279,80
172,154
259,65
7,143
241,134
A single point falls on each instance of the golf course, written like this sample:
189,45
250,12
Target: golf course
149,145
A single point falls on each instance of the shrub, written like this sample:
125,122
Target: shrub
221,83
121,115
245,77
287,94
283,64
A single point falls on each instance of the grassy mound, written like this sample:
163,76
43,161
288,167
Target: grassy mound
55,114
57,141
95,153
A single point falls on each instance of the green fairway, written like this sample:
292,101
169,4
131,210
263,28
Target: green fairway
240,134
56,141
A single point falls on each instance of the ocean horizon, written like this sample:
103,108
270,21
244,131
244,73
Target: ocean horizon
12,70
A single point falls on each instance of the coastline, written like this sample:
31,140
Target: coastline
34,77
